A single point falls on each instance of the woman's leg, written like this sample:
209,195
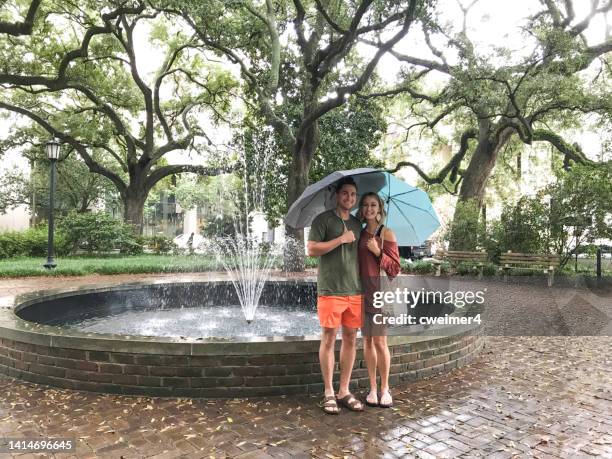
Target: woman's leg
369,354
384,363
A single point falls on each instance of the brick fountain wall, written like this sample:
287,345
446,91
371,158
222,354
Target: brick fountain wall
207,370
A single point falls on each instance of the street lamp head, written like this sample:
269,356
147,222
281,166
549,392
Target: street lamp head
53,149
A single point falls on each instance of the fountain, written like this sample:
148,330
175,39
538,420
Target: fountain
246,259
184,338
112,338
248,264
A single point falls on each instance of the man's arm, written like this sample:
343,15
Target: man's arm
316,249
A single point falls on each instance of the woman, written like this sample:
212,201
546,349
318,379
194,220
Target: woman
377,250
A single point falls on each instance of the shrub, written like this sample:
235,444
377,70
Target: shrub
31,243
312,262
99,232
11,245
405,266
423,267
160,244
489,269
467,229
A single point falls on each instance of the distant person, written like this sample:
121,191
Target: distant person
377,250
190,243
334,238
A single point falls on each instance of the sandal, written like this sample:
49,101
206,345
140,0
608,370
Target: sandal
385,405
369,403
349,401
329,405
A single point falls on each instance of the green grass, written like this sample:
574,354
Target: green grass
137,264
110,264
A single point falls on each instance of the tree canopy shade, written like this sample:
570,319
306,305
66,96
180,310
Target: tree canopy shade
493,97
302,49
81,78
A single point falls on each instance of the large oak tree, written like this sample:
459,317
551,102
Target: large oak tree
494,97
311,43
81,78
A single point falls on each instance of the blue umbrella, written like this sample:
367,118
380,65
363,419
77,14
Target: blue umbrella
409,211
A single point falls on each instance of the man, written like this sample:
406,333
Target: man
333,237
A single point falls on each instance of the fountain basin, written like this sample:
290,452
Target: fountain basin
40,344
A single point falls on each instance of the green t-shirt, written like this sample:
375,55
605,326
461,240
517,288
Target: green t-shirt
339,269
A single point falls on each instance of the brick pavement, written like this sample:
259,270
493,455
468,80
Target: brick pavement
542,397
523,397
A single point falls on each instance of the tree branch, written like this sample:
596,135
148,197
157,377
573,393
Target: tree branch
21,28
452,166
128,45
343,91
266,107
164,171
79,147
572,152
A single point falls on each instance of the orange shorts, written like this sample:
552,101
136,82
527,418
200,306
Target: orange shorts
336,310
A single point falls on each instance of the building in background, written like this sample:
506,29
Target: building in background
18,218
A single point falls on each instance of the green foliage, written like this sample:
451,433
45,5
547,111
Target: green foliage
419,267
31,243
523,227
98,232
119,121
465,268
219,226
347,138
472,269
159,244
114,264
489,269
467,229
575,210
424,267
581,205
192,191
76,187
311,262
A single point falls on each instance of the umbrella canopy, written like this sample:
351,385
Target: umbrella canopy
321,196
409,211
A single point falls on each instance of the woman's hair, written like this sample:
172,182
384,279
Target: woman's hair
381,206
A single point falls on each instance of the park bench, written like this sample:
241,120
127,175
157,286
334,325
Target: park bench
454,257
533,261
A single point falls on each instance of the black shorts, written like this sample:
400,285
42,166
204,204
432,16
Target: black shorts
370,328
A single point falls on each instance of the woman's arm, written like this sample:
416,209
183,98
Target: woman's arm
390,259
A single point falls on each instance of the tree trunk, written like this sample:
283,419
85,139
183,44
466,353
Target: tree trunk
297,183
473,187
134,209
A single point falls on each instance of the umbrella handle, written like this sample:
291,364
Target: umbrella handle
382,238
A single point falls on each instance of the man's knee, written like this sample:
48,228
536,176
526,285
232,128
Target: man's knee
349,336
328,337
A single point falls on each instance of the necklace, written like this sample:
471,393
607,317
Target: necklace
375,230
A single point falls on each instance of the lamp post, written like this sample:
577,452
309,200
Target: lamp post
53,149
